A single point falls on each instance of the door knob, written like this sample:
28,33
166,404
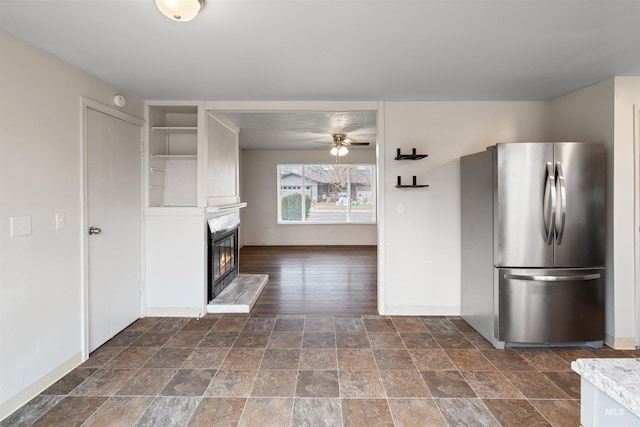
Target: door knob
94,230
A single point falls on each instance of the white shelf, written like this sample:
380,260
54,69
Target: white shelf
175,129
175,156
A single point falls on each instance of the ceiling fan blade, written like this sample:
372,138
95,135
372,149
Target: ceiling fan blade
358,143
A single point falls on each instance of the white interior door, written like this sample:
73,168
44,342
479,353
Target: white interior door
113,213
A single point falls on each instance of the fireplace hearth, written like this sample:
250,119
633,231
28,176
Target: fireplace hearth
222,253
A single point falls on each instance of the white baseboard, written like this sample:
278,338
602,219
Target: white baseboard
174,312
620,343
419,310
31,391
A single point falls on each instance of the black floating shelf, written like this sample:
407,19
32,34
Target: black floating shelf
414,185
412,156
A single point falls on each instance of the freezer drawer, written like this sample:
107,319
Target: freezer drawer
550,306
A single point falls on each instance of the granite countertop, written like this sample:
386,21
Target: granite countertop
618,378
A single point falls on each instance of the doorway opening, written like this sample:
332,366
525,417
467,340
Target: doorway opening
299,133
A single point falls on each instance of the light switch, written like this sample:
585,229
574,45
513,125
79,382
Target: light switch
60,220
20,226
400,208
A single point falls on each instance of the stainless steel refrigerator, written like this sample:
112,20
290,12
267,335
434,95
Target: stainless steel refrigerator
533,243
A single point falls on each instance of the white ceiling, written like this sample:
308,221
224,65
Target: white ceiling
339,50
302,130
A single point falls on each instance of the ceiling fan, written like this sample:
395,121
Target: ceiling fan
340,143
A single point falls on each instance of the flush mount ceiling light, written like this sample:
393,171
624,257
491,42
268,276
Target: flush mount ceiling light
180,10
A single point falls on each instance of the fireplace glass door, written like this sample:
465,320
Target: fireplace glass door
223,255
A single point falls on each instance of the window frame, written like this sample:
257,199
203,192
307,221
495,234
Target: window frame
303,187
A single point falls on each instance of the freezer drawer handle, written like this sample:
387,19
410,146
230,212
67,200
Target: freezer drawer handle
553,278
549,204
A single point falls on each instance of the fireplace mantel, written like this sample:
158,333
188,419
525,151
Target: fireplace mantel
223,208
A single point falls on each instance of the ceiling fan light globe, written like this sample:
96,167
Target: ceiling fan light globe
342,151
334,151
180,10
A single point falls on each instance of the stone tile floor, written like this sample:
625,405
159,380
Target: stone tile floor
249,370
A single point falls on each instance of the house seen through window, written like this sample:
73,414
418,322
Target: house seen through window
335,193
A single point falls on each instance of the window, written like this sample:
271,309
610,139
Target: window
331,194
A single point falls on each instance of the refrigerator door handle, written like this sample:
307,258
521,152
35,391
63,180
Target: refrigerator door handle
549,204
552,278
561,191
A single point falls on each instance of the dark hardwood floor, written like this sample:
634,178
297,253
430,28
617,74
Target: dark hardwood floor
314,279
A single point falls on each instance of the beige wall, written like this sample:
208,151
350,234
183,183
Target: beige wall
603,112
588,115
627,95
260,191
422,249
41,310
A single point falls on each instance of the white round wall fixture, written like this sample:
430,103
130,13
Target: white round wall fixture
119,101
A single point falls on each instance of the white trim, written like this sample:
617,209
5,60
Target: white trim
419,310
86,104
224,122
19,399
290,106
380,214
146,162
89,103
202,186
620,343
165,103
174,312
636,228
278,187
202,158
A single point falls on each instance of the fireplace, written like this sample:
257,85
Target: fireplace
222,252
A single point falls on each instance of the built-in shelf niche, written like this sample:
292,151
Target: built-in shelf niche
173,152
